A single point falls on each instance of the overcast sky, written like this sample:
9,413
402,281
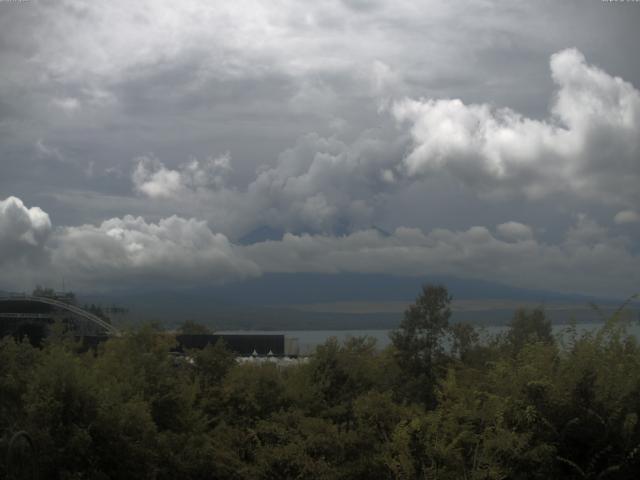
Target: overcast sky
140,141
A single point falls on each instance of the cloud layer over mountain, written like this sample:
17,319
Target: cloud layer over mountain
130,252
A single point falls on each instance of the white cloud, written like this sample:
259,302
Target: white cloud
129,250
23,231
234,39
67,104
319,185
515,231
153,179
590,147
626,216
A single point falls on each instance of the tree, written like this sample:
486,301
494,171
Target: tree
529,327
339,373
213,362
464,341
418,342
41,291
189,327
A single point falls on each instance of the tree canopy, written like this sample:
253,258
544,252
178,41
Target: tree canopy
438,403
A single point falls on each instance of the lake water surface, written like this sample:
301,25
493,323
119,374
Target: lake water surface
308,340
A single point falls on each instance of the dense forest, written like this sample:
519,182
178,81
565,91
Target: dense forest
441,402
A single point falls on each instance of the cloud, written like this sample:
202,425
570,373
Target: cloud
46,152
130,251
153,179
589,147
626,216
319,185
588,260
177,251
514,231
23,231
78,102
67,104
324,184
242,77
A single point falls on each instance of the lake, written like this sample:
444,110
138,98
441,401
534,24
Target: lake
308,340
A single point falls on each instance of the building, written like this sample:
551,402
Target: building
244,345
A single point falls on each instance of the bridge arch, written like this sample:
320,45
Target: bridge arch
106,326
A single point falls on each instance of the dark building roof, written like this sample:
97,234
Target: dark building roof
240,344
17,305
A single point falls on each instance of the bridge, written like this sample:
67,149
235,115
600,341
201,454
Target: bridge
52,302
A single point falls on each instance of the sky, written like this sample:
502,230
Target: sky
142,143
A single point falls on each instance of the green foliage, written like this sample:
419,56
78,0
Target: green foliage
194,328
41,291
437,404
418,343
529,327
